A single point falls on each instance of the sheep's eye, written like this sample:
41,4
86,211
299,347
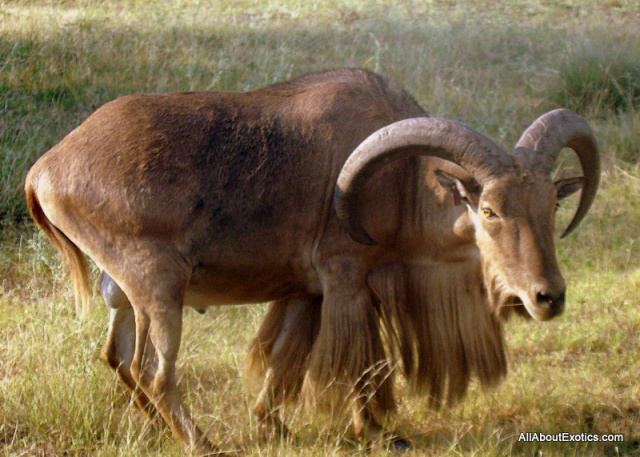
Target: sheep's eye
488,213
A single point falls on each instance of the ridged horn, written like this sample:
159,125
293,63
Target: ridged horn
424,136
559,129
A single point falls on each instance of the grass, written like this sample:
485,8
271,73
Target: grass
494,65
600,75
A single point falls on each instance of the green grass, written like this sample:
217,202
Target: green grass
600,75
493,65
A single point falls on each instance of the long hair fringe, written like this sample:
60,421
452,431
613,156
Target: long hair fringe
439,323
348,364
435,320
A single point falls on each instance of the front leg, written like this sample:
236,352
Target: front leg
368,431
348,364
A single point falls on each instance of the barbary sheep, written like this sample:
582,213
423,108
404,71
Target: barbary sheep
369,225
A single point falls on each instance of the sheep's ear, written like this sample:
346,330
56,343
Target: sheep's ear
461,191
569,186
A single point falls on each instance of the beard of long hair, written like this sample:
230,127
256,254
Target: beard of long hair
439,322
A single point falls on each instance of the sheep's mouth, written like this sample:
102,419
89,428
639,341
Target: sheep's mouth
513,304
536,309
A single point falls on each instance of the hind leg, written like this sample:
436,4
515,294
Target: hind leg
157,305
282,347
119,348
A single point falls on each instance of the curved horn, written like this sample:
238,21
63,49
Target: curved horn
441,138
559,129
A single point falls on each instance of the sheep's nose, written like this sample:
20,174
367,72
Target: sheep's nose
552,304
547,298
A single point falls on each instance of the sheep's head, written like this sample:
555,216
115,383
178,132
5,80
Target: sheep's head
511,202
513,218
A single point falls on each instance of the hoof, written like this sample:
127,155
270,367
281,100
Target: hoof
400,445
391,442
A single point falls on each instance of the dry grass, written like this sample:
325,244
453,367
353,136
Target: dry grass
493,65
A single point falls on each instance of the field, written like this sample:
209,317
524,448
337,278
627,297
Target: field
494,65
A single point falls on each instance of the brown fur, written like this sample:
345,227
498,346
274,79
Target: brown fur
210,198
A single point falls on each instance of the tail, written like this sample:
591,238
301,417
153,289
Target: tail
73,257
